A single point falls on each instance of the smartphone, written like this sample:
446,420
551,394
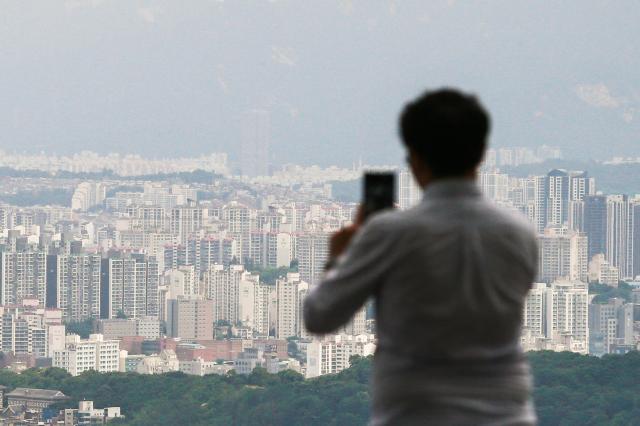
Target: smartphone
379,192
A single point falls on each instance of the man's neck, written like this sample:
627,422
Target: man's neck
470,176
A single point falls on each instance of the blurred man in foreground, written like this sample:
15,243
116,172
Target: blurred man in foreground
449,278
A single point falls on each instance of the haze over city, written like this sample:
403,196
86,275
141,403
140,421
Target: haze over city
161,78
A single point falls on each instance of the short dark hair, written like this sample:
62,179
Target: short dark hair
447,129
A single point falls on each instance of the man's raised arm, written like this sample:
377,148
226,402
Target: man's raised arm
351,280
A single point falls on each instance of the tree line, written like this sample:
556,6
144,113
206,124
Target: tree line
570,389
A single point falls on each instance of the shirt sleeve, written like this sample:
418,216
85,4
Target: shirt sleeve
345,288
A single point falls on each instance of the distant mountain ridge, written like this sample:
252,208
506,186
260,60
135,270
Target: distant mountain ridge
174,79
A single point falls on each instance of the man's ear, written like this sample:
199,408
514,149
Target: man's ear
421,172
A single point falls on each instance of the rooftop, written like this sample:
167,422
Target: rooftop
32,393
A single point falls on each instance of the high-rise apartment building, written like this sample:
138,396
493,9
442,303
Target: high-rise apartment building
635,236
147,218
217,249
570,310
536,201
561,189
284,249
557,197
182,281
222,285
255,309
264,249
291,291
581,186
22,275
87,195
130,286
611,326
562,254
30,329
620,234
239,221
295,216
186,220
555,317
595,223
312,252
494,185
73,285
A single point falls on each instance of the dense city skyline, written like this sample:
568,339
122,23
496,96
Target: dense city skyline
191,266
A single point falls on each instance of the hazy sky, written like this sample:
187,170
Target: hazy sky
175,78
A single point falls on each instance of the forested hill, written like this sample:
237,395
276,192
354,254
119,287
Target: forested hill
570,390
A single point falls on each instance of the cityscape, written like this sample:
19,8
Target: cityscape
200,271
186,202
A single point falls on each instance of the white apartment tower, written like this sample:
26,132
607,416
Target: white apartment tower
239,220
182,281
620,234
570,309
22,275
185,220
558,315
222,285
87,195
312,251
254,310
290,294
494,185
131,286
562,254
77,285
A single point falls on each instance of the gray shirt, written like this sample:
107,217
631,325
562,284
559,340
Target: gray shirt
449,278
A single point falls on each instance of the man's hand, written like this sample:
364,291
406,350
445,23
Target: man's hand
341,239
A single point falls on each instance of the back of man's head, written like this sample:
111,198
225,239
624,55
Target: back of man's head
448,131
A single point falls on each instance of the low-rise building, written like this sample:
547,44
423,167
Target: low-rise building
199,367
249,359
190,318
33,399
117,328
332,353
30,329
94,353
165,362
87,415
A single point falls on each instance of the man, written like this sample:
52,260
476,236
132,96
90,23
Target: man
449,278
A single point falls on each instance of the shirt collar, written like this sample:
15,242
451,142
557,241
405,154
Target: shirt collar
452,187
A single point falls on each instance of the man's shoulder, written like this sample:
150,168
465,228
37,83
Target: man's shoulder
424,215
510,220
394,221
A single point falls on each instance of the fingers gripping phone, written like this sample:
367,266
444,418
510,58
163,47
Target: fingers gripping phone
379,192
